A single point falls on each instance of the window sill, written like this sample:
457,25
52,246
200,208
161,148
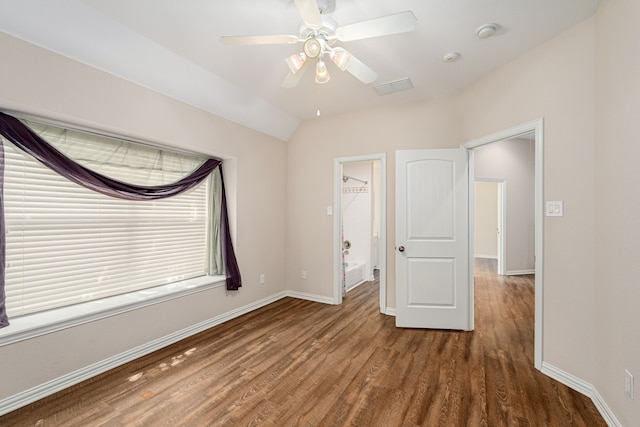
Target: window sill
33,325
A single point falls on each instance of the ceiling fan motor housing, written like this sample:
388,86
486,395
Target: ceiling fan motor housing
326,6
328,29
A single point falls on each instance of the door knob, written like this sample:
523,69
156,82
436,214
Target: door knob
401,248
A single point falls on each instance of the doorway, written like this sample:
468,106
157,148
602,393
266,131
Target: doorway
533,129
490,220
359,224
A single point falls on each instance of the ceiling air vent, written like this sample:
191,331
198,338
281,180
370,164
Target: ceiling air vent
394,86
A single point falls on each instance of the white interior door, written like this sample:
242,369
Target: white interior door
432,239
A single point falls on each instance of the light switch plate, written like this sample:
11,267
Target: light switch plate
554,208
628,383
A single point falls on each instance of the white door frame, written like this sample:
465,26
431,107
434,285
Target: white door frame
337,225
502,219
537,127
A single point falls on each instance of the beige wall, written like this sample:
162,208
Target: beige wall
46,84
513,161
617,310
554,81
485,237
310,157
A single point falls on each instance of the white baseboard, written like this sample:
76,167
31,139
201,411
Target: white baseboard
390,311
485,256
518,272
50,387
310,297
567,379
583,387
604,410
355,285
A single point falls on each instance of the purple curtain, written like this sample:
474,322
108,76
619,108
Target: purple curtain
25,139
4,320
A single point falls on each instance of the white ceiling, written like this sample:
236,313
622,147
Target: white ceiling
173,47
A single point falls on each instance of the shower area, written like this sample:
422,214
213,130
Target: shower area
360,222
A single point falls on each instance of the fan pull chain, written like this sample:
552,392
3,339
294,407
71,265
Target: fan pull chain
318,101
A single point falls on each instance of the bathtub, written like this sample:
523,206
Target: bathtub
354,274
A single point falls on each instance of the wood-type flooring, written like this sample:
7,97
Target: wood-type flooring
300,363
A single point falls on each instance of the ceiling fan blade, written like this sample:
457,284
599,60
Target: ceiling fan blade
310,13
402,22
252,40
361,71
292,79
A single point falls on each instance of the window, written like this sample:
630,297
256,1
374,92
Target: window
66,244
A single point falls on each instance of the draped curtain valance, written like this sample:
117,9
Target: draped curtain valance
27,140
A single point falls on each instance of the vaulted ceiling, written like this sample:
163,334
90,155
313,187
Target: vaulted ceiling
173,47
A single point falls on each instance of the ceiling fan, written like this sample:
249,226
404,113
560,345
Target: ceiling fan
319,33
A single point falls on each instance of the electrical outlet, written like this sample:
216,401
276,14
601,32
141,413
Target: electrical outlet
628,383
262,279
304,274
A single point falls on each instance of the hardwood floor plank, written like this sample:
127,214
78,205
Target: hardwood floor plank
299,363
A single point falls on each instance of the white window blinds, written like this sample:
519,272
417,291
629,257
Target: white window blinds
66,244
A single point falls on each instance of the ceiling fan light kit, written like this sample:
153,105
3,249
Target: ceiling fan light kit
319,33
313,47
322,74
340,57
296,61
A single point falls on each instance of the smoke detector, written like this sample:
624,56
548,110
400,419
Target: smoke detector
451,57
486,30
